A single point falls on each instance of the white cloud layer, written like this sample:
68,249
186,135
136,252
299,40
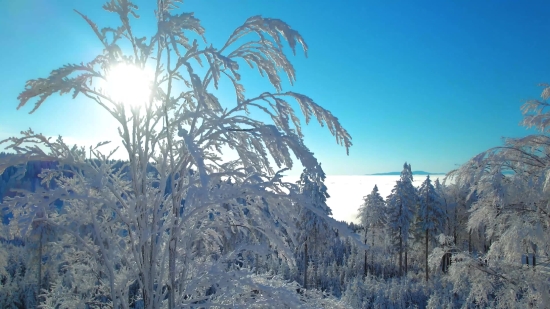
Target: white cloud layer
347,191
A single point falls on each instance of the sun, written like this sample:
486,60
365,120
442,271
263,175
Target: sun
128,84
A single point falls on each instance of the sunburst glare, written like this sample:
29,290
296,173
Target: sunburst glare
129,84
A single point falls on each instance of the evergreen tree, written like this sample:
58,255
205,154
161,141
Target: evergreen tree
372,215
430,214
312,225
401,204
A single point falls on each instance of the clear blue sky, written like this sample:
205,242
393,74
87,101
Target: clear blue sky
428,82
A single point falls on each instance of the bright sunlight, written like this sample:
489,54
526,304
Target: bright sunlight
129,84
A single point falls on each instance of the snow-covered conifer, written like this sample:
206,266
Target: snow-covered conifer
401,207
372,211
431,216
314,229
372,216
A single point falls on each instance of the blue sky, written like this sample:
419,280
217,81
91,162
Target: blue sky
428,82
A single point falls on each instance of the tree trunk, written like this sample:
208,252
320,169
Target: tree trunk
534,247
455,235
172,248
305,265
365,264
172,271
426,256
401,243
315,259
427,218
372,252
148,274
39,266
400,254
406,260
447,219
470,240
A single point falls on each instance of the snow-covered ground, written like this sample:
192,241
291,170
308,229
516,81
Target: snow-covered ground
347,191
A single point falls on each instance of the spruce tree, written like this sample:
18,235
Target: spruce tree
401,204
430,214
313,227
372,216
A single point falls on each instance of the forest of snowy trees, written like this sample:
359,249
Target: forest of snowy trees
175,226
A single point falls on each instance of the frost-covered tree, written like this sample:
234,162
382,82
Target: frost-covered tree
459,202
150,231
442,192
401,205
18,276
430,214
372,216
313,227
511,210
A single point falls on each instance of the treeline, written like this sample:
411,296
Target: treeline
462,243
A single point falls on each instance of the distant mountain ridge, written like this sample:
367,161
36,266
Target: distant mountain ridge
399,173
